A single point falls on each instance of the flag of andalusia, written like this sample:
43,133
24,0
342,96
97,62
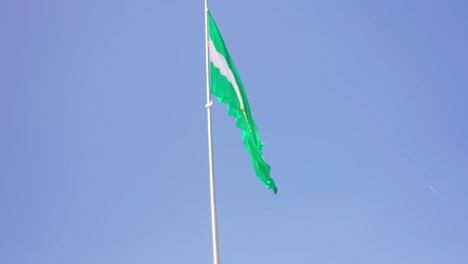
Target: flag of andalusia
226,85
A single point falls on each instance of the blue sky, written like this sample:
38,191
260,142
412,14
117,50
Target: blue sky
362,106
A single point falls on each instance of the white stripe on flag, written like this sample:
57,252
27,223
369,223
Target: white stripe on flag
220,62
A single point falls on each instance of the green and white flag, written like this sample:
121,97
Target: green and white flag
226,85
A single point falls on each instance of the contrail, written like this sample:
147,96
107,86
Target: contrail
434,190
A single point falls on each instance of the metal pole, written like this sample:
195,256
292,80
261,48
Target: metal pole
214,225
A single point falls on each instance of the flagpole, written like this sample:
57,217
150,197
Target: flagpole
214,224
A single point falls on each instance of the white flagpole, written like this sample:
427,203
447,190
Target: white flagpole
214,225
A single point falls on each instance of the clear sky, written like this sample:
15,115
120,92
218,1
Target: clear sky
362,106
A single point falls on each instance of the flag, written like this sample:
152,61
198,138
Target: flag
226,85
